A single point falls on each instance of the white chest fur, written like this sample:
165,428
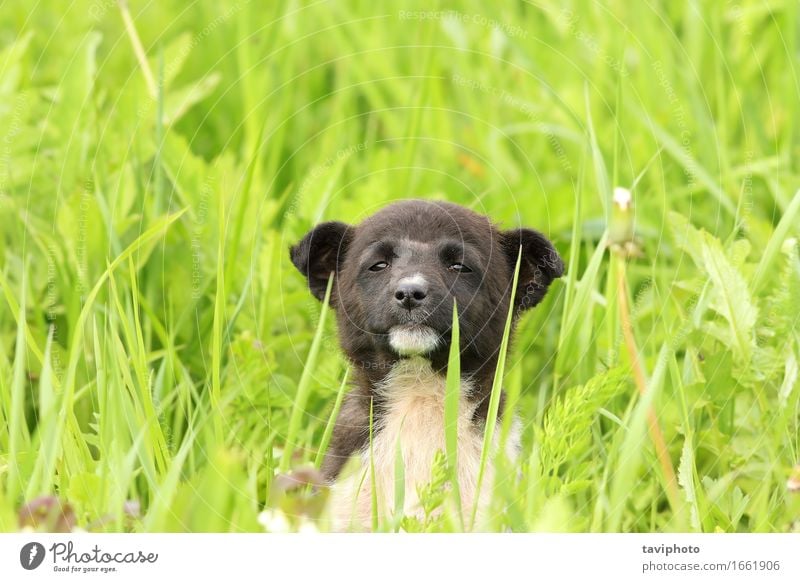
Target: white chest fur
413,419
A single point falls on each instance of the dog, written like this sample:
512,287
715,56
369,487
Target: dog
396,276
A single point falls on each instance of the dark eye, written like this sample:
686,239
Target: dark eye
460,268
379,266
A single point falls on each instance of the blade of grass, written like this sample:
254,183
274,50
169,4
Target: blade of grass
47,437
19,439
576,240
787,223
668,471
304,386
139,358
244,201
600,170
580,311
137,384
337,406
687,470
218,326
66,413
165,492
138,49
452,395
494,399
629,452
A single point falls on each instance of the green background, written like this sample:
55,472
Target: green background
154,335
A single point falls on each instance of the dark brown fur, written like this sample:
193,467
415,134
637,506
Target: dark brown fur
365,309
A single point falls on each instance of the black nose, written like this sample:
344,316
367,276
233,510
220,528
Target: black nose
411,294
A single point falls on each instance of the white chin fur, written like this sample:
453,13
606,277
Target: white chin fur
409,340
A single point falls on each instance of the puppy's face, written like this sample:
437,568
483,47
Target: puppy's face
398,274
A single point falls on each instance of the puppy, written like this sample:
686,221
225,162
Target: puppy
396,276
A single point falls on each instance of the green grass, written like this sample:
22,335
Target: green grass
162,364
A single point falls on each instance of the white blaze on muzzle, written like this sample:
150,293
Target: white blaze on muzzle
412,339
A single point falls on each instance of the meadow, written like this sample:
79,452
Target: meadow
163,366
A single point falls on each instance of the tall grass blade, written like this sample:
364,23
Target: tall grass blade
452,396
304,386
494,399
337,406
19,438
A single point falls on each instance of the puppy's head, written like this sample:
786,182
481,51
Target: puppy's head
397,274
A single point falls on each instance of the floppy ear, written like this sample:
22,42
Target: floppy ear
320,253
540,264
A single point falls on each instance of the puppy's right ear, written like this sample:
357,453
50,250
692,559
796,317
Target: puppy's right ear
320,253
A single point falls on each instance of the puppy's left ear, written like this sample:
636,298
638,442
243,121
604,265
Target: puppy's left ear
320,253
540,264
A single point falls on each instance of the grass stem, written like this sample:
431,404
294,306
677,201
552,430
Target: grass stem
640,379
